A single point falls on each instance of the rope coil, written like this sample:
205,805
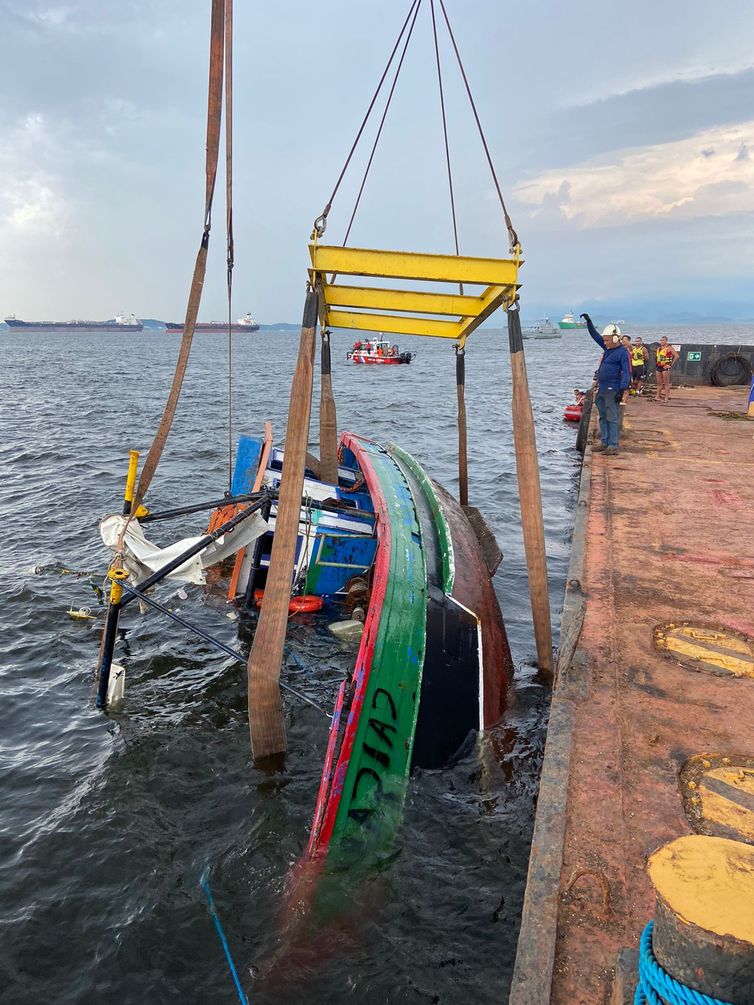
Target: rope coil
656,986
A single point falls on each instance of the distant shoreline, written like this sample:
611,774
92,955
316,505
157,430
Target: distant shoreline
677,321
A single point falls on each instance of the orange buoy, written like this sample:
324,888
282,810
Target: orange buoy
296,605
572,413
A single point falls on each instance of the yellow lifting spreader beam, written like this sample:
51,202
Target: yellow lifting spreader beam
404,310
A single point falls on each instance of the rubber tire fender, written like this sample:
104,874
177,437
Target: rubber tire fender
730,370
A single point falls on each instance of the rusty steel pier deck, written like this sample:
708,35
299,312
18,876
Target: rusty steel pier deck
651,731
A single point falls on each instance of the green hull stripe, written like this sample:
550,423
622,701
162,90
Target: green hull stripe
374,787
443,530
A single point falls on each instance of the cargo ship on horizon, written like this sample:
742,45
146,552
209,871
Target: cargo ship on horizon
120,323
244,324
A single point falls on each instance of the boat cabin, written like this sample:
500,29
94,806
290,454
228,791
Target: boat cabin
375,347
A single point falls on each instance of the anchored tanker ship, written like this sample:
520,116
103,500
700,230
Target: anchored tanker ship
120,323
244,324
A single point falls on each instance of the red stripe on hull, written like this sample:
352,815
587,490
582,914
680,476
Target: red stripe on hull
384,361
331,786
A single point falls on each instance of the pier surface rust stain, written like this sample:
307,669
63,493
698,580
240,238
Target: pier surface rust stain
660,550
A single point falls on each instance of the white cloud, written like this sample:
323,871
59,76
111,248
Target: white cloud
31,197
709,174
31,207
51,17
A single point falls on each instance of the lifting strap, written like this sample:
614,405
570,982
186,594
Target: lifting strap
328,422
266,722
463,464
214,115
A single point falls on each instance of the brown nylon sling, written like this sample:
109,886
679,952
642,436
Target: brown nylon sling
214,116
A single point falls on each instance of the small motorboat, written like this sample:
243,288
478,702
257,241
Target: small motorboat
575,410
378,351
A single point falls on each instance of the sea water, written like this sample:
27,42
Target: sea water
108,821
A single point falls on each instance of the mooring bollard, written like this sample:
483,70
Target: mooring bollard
702,938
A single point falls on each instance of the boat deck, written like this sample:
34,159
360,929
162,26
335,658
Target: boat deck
664,535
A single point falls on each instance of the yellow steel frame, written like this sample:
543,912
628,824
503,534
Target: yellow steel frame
364,307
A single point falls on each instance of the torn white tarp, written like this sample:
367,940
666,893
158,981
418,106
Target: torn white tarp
141,558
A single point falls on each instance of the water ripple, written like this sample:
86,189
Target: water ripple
107,822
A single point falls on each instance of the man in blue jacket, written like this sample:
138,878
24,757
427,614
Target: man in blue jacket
613,378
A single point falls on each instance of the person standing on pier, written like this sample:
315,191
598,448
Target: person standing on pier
613,378
665,357
639,360
626,343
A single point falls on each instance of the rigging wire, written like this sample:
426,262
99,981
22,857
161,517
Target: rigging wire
321,222
512,235
445,133
382,123
229,217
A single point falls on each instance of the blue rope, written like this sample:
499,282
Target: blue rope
656,986
204,883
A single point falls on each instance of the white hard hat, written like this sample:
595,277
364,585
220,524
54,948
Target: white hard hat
611,330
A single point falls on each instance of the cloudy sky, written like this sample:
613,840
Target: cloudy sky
623,137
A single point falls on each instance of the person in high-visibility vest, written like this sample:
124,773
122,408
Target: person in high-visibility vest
665,357
639,360
626,343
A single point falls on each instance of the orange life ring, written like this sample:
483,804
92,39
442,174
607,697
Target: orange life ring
306,603
296,605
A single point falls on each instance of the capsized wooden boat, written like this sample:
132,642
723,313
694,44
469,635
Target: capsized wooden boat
432,667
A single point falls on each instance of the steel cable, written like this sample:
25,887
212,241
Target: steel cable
382,123
321,222
512,235
445,132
